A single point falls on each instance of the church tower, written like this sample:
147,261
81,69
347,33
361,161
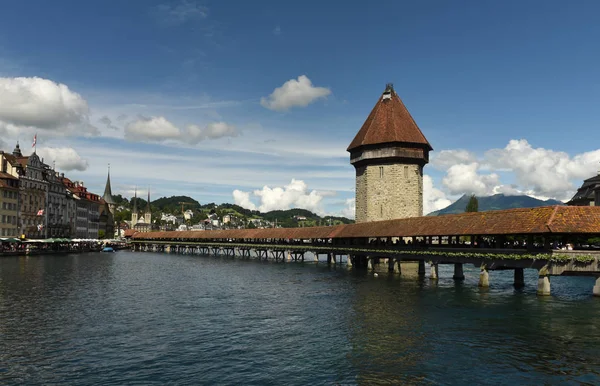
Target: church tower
107,196
389,153
134,212
148,213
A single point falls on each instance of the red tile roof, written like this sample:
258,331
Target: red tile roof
389,122
7,176
542,220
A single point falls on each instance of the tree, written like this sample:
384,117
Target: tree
473,205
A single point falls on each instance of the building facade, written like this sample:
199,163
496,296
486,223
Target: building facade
87,209
33,194
9,204
388,154
141,223
56,209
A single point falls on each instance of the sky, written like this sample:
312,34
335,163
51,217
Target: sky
255,103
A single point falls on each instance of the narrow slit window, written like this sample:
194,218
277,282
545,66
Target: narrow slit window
381,172
406,172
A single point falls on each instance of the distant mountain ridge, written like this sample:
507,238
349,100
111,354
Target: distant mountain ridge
495,202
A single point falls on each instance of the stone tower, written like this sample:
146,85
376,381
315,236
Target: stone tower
134,212
389,153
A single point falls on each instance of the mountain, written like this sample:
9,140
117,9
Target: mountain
495,202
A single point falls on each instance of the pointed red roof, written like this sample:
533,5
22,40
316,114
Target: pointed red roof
389,122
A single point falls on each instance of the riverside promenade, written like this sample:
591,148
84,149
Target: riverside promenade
512,239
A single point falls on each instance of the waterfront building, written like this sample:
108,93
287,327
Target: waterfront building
87,209
588,194
56,211
33,194
9,203
389,153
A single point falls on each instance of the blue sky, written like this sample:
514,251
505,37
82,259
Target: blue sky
169,92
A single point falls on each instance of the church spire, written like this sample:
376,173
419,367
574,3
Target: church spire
148,204
135,201
107,190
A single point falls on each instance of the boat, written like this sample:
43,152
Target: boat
108,249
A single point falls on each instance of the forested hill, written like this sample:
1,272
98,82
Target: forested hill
495,202
173,205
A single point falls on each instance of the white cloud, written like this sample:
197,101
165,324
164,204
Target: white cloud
349,210
433,198
180,13
36,103
447,158
213,130
66,158
243,199
151,129
293,195
294,93
463,178
108,123
159,129
544,172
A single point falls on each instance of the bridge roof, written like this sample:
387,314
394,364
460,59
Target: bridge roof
543,220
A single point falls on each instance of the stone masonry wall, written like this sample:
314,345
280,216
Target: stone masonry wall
388,191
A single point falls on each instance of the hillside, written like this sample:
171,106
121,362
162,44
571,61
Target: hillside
171,205
495,202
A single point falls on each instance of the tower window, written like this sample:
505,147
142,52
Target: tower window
406,172
381,172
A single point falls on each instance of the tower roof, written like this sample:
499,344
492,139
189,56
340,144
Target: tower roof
107,196
389,122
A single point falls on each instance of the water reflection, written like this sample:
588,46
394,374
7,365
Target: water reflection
159,319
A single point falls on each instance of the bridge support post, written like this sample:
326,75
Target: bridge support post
458,272
369,263
484,277
597,287
421,271
329,258
543,285
519,278
349,262
543,288
391,263
433,269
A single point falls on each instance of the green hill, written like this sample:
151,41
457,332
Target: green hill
295,217
495,202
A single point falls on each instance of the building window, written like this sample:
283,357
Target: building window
381,172
406,172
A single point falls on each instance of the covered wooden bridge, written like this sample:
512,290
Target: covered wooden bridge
552,239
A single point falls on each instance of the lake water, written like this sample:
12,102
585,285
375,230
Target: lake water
151,318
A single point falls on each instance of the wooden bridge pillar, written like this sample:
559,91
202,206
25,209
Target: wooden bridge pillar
596,290
434,273
421,271
543,283
458,272
349,262
519,278
484,277
329,258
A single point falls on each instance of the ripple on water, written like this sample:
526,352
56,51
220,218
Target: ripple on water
143,318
